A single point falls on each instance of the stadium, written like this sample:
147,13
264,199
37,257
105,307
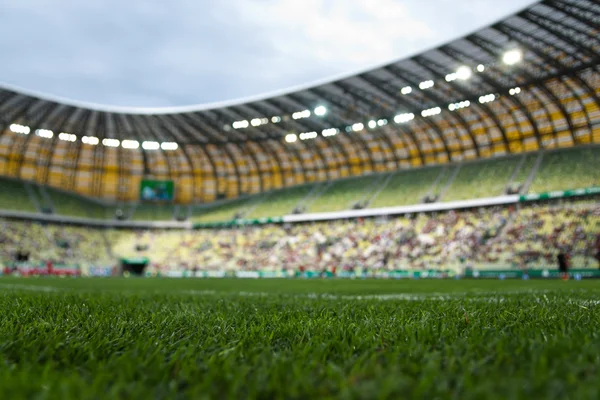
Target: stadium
414,220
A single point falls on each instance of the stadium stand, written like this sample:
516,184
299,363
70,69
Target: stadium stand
61,244
153,212
76,206
281,202
568,169
224,211
14,196
343,194
486,178
406,187
495,237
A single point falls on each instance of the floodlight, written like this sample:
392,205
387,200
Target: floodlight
512,57
320,111
150,145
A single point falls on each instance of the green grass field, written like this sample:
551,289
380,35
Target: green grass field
304,339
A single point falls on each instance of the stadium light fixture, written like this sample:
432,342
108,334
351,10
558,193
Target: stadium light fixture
382,122
240,124
431,112
329,132
291,137
301,114
276,119
150,145
480,68
320,111
111,142
130,144
372,124
169,146
451,77
18,128
308,135
406,90
91,140
402,118
426,84
67,137
357,127
487,98
45,133
511,57
463,73
459,105
514,91
255,122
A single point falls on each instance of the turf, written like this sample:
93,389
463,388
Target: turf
195,338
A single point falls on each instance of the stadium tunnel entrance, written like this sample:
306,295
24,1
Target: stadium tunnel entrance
134,266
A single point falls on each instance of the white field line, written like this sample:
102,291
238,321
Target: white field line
537,296
31,288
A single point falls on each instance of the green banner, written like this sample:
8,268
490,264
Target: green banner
560,194
534,273
239,222
135,260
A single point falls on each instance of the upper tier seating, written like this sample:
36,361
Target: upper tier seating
13,196
76,206
406,188
281,202
481,179
343,194
500,237
568,169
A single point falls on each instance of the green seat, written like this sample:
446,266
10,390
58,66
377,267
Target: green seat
14,196
481,179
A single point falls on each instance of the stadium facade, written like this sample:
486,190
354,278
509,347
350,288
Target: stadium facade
528,82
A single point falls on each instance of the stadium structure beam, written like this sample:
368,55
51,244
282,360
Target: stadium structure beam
207,124
165,126
230,113
183,125
17,143
494,50
567,8
273,157
35,115
436,69
431,95
319,126
407,106
554,26
280,136
504,101
582,7
523,38
296,127
369,115
148,129
551,27
67,118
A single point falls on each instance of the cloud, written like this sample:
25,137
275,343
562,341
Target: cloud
178,52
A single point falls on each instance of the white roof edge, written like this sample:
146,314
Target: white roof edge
249,99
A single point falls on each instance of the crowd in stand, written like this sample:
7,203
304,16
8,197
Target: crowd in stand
497,237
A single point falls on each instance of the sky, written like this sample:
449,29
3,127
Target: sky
164,53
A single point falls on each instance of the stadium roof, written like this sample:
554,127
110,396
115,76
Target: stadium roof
516,85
